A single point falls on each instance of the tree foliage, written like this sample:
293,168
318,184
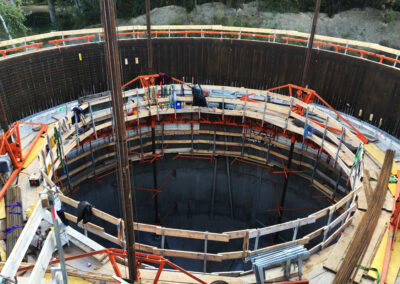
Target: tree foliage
13,17
77,13
327,6
82,13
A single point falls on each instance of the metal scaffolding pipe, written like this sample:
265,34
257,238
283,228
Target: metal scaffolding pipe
3,117
228,175
121,145
214,187
149,44
155,185
310,44
285,185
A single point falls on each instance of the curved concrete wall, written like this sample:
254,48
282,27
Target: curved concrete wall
36,81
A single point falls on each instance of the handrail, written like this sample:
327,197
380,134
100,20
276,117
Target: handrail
310,94
112,253
281,109
4,51
346,48
281,36
14,151
57,41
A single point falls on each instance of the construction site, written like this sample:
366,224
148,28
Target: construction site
198,154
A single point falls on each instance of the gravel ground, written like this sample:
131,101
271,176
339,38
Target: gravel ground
365,25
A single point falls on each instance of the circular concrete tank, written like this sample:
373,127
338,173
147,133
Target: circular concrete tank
228,182
185,202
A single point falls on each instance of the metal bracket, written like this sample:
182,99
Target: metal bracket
162,241
289,112
257,239
265,109
245,106
205,251
215,137
319,150
296,230
340,145
243,139
76,129
92,118
158,114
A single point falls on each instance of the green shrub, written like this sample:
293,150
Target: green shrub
14,18
388,15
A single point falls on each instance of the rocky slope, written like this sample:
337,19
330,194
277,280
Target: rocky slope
365,25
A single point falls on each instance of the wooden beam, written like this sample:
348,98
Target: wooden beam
281,227
27,234
44,258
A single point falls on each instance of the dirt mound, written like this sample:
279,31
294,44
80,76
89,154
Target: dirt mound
365,25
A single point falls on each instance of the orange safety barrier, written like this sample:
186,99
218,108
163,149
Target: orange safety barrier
247,98
128,33
269,37
341,47
186,33
317,43
4,51
112,253
10,143
362,52
148,80
221,33
307,96
57,41
238,34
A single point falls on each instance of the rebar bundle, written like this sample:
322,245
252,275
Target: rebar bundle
366,228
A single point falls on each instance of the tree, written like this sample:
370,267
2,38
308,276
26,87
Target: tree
52,11
13,18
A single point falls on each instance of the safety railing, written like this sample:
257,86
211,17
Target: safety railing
57,41
71,138
375,52
338,48
308,96
10,144
23,47
113,253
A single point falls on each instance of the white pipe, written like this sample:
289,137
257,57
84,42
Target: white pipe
5,27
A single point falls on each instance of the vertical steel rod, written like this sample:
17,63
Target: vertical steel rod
304,77
285,184
155,185
228,173
149,44
65,158
319,150
76,128
93,124
214,187
122,158
205,252
57,237
3,117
